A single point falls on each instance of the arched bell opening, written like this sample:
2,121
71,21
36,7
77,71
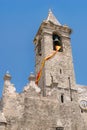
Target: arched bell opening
57,42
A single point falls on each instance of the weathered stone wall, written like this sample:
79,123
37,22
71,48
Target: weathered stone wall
47,113
31,111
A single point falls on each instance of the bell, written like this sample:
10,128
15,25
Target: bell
56,40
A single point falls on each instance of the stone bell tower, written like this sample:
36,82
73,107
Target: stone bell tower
58,70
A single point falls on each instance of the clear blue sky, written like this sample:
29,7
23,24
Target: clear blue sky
19,22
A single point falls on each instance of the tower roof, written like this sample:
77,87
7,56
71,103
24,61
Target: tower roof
52,18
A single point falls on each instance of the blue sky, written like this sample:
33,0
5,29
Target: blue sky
19,22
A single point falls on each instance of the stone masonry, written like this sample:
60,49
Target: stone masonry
57,102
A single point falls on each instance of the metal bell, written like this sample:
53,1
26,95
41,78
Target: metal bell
56,40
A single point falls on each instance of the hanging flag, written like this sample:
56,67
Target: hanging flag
43,63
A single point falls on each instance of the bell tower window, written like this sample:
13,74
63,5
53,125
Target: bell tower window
57,42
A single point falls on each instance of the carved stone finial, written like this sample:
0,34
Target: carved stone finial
31,77
50,11
7,76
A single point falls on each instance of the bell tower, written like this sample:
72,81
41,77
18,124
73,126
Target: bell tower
58,70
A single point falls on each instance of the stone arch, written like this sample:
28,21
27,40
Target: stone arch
57,41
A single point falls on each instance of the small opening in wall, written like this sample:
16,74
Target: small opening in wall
81,111
62,98
60,71
57,42
59,128
71,99
39,47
